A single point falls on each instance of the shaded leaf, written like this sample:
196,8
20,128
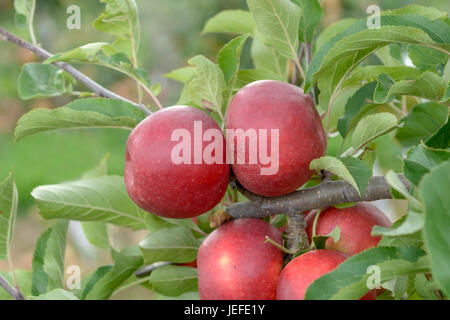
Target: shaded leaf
48,259
422,122
420,160
311,15
175,244
349,279
229,57
8,212
56,294
429,86
437,222
174,280
102,284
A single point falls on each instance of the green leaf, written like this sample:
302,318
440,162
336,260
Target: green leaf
268,58
319,240
422,122
277,22
56,294
333,30
182,75
429,86
371,127
97,234
48,259
356,42
424,288
420,160
426,59
23,281
229,57
230,21
24,12
384,84
354,171
359,171
414,240
412,223
353,107
103,54
194,295
207,84
120,18
100,199
366,74
39,80
175,244
83,53
394,181
8,212
102,283
437,222
174,280
349,279
441,140
311,15
82,113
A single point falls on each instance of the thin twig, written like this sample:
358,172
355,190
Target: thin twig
88,82
142,272
326,194
16,294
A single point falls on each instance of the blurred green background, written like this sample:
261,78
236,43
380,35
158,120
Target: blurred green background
170,36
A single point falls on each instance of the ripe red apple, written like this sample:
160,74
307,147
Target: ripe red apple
355,224
274,105
161,186
304,269
234,262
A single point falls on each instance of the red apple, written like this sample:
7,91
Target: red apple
274,105
355,224
175,189
234,262
304,269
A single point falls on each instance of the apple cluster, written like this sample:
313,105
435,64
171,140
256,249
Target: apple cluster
235,261
181,190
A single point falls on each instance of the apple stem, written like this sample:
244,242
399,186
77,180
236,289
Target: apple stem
276,244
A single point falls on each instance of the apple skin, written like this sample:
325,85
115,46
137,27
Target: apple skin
234,262
355,223
158,185
304,269
269,104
